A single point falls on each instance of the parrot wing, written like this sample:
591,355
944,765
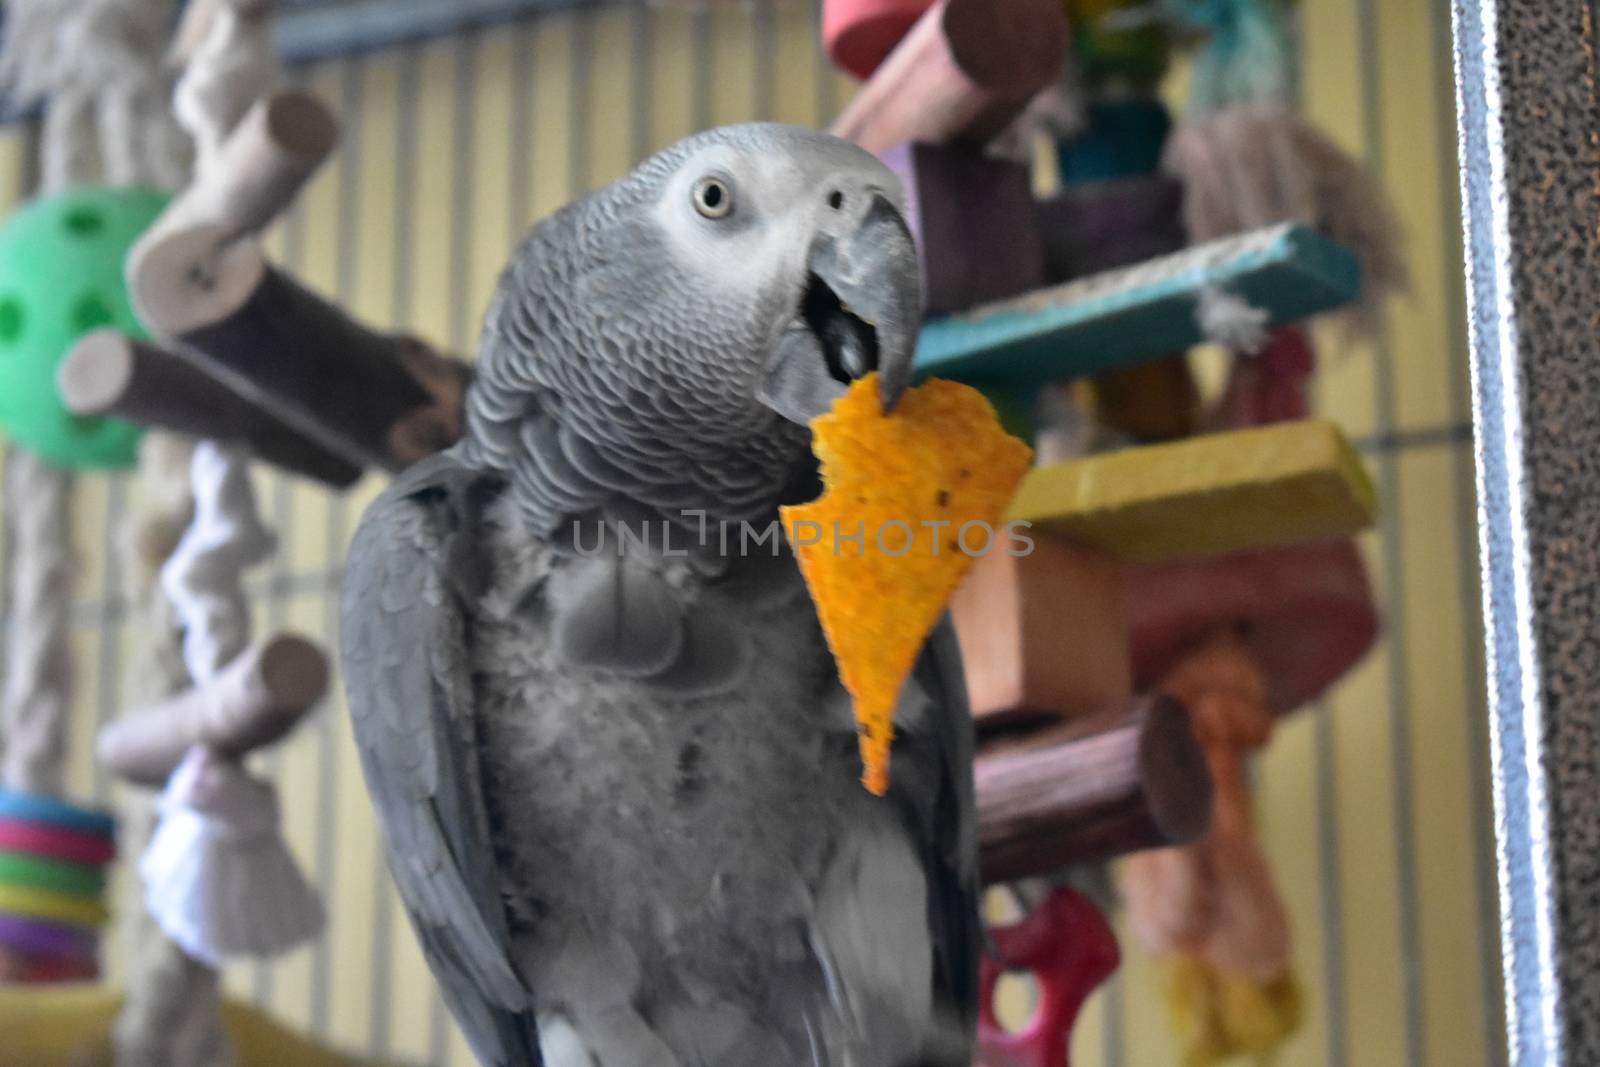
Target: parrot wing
932,782
407,674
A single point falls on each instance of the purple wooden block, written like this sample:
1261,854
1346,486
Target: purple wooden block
974,221
1098,226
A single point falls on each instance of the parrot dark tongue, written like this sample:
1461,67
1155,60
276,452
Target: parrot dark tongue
859,313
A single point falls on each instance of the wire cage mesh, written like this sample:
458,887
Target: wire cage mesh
1373,803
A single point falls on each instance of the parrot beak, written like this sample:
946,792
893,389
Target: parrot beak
860,312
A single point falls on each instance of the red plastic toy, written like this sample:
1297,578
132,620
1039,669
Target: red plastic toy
1069,948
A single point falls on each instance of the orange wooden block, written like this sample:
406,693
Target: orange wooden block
1046,632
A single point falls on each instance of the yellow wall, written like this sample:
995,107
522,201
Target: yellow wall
1373,805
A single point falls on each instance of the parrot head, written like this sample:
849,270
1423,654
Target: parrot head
806,234
813,242
682,326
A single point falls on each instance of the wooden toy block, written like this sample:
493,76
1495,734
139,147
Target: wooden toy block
963,72
1304,613
1205,496
107,373
975,224
1100,226
1091,789
858,34
1045,632
1136,313
1121,139
1154,401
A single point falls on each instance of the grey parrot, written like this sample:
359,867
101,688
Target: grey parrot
616,772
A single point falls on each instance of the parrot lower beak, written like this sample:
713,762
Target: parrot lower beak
860,312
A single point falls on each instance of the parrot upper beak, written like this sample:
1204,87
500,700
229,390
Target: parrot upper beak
860,312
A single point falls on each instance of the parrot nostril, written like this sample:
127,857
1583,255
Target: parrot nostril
836,200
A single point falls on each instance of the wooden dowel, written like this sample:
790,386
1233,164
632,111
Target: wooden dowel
269,156
1091,789
272,153
107,373
352,390
966,69
257,699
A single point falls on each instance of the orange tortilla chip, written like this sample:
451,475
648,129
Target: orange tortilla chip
910,499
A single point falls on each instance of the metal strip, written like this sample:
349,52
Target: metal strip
458,328
400,313
1385,442
827,102
341,29
518,184
346,252
700,68
763,55
1479,804
1113,1018
579,168
280,578
294,254
108,684
1331,904
462,175
1393,555
290,583
1528,100
641,40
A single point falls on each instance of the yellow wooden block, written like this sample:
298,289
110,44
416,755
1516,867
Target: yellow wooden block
70,1026
1205,496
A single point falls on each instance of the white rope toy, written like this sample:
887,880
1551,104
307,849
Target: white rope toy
219,878
217,875
37,697
230,63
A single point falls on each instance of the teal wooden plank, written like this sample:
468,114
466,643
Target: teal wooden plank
1137,313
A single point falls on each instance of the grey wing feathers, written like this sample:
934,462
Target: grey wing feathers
950,836
408,682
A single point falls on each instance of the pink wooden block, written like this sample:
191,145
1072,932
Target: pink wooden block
1306,613
860,33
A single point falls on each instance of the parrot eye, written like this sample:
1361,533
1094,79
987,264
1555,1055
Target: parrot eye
713,198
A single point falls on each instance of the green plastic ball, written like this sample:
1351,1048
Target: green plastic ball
60,277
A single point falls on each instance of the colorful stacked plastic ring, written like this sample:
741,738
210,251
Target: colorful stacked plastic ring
56,843
41,938
41,970
52,907
32,872
52,856
27,807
